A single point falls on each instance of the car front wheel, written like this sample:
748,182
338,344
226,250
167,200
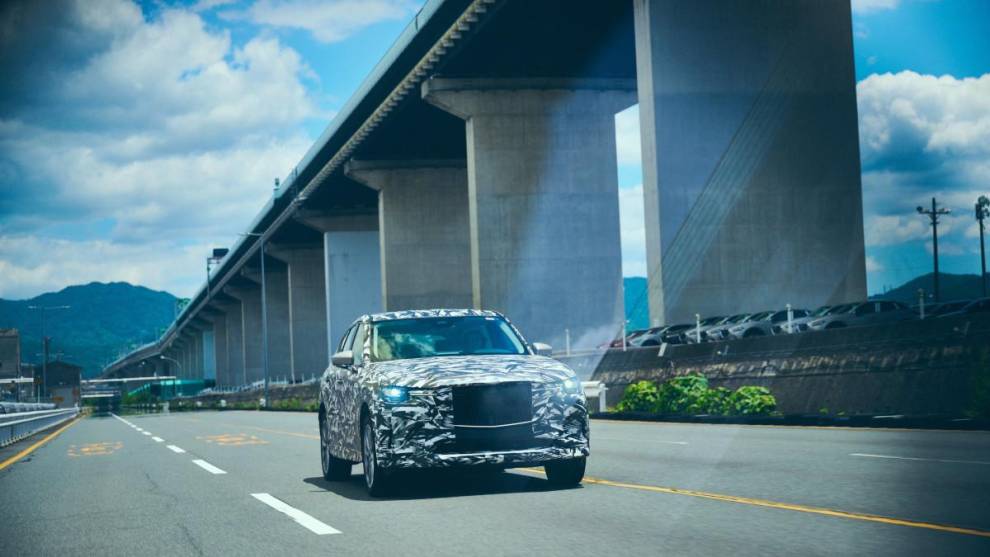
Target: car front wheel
334,469
566,472
375,477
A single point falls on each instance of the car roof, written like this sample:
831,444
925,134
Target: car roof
429,313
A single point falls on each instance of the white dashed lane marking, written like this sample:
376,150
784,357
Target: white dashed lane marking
175,449
157,439
303,519
208,467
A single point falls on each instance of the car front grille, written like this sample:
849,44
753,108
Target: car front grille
501,404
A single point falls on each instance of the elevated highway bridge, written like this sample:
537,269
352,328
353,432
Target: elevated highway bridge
476,166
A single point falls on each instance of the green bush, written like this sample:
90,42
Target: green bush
690,394
639,397
682,395
751,401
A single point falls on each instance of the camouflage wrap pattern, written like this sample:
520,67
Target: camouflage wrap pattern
413,433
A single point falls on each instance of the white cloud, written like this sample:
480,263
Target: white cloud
31,265
922,136
161,133
633,231
627,138
327,20
867,6
872,265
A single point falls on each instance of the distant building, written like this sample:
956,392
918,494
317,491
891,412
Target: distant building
10,353
62,382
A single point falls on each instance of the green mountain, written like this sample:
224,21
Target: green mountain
101,322
951,287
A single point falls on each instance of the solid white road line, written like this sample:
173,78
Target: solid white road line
158,439
303,519
175,449
947,460
208,467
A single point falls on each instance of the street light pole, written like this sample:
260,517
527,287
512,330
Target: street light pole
43,390
982,212
933,214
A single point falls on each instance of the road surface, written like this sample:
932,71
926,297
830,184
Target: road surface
249,483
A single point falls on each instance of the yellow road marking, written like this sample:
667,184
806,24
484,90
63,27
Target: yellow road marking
785,506
32,448
95,449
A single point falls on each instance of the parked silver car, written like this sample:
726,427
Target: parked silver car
864,313
698,334
976,306
762,324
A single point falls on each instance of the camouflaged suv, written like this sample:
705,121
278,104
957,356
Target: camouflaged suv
442,388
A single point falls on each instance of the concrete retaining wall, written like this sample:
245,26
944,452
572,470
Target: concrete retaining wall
917,367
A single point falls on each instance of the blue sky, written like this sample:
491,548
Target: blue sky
128,121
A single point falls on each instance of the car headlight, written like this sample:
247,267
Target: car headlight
393,394
817,323
570,386
738,328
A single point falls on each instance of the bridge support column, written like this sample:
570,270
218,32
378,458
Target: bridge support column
425,237
751,171
277,308
234,328
543,201
308,345
220,347
251,344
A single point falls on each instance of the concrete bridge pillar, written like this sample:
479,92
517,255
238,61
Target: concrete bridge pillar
543,201
425,237
352,268
234,328
307,319
251,341
276,304
751,171
220,347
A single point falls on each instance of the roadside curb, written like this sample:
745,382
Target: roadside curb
864,421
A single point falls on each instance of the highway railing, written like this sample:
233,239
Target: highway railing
14,427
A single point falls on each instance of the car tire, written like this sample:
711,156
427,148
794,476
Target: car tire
753,333
566,472
375,477
334,469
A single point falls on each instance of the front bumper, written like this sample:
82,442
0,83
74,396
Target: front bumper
420,433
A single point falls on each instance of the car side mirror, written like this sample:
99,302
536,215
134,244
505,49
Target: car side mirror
344,358
542,349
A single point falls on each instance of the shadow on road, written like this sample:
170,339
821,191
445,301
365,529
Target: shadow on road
431,484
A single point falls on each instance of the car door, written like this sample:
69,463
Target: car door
349,385
332,388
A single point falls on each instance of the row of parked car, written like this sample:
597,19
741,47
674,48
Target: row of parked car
747,325
17,407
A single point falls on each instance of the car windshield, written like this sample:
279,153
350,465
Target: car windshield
844,308
823,311
758,316
404,339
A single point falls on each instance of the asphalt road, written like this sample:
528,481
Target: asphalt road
104,487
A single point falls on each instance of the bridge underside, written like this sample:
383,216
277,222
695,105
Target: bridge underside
491,181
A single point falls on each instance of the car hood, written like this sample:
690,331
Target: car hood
444,371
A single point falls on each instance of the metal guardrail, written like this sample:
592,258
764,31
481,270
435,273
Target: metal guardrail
14,427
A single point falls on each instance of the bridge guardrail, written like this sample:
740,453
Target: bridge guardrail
14,427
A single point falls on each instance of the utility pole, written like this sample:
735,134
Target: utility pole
43,390
933,214
982,212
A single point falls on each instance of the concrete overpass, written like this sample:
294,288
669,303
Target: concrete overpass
476,166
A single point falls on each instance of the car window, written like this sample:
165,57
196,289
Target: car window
866,309
345,341
403,339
